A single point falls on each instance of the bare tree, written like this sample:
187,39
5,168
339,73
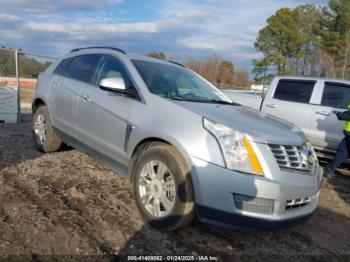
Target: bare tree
220,72
242,79
210,67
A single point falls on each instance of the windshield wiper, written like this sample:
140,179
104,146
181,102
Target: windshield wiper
222,102
211,101
186,99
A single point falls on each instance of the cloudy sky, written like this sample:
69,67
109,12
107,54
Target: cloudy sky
180,28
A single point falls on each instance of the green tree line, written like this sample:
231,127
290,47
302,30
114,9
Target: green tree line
307,40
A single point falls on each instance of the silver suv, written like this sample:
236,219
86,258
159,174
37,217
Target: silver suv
188,150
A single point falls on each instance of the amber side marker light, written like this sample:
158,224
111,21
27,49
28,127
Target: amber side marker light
252,157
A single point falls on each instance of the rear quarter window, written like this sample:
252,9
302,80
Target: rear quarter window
62,66
294,90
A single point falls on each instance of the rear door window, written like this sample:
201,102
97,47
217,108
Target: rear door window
336,95
82,68
294,90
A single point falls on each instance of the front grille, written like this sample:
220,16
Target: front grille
297,203
293,157
253,204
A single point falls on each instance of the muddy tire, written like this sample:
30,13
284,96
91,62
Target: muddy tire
163,188
45,138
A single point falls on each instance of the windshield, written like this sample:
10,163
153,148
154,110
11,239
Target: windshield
178,83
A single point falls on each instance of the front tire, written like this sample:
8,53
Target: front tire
45,138
163,188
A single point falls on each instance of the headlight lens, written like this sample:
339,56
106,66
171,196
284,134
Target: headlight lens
237,151
312,159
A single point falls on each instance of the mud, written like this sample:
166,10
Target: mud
65,203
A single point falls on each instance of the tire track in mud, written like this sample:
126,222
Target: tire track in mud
66,203
45,209
50,194
341,184
44,195
208,240
84,222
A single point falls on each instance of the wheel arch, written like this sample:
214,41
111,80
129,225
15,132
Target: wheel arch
37,103
143,144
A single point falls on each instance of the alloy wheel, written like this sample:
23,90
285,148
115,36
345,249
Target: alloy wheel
40,128
157,188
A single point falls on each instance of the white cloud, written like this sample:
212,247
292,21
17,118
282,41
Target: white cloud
7,17
89,29
48,6
183,28
213,42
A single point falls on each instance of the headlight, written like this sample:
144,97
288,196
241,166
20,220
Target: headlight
237,151
309,158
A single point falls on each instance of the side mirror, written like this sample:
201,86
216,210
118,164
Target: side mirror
117,85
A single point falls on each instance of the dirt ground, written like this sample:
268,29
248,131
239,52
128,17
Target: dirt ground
65,203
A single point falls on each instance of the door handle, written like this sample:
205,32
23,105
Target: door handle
87,98
323,113
271,105
55,84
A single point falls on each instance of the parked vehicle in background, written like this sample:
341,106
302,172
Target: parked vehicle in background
306,102
188,150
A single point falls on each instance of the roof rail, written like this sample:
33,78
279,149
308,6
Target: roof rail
98,47
176,63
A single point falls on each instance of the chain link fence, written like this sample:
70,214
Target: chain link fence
18,76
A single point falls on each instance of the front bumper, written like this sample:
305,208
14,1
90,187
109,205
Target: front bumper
232,198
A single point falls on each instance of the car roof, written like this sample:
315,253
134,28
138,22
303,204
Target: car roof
312,79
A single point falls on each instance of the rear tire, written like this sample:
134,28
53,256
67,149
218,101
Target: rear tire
170,190
45,138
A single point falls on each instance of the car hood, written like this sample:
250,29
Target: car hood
261,127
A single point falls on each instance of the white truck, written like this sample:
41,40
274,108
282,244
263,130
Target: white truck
309,103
